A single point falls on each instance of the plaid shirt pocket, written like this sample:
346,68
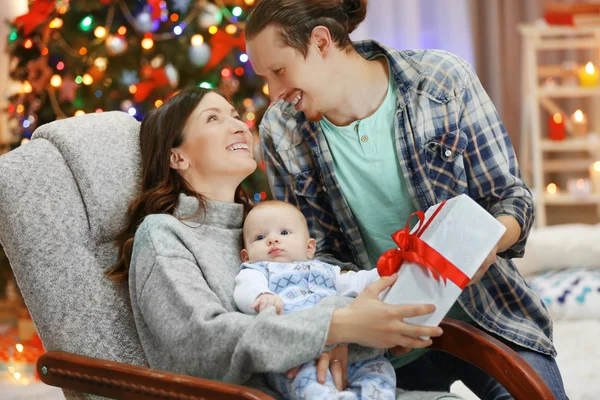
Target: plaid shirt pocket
445,163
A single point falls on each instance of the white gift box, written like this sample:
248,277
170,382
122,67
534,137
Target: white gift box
465,234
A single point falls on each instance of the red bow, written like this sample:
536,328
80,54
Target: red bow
38,13
411,248
221,44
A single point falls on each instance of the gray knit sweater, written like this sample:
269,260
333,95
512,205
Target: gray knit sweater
181,282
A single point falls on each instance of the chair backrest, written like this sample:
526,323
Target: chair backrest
63,198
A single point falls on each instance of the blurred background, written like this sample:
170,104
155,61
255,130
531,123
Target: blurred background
536,59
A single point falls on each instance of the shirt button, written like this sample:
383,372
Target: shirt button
356,128
447,153
364,138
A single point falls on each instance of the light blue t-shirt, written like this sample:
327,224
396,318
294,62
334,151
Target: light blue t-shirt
368,171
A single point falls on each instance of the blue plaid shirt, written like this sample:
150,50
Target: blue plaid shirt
449,140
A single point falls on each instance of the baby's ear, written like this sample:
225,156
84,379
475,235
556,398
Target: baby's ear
311,248
244,255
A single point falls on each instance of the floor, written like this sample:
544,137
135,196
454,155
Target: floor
31,391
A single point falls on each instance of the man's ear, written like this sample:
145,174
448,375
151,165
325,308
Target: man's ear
178,160
321,37
311,248
244,255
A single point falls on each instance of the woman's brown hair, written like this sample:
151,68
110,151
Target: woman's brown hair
160,131
296,20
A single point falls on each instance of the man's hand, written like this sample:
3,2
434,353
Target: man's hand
336,361
400,350
267,300
487,263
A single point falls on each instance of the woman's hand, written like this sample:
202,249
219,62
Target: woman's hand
267,300
370,322
336,361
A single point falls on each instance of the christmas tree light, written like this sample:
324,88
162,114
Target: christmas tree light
85,56
110,45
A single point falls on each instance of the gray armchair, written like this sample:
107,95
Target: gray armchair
63,198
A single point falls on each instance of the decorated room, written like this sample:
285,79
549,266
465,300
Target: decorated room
432,167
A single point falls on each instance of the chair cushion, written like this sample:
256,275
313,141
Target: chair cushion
102,152
569,294
46,230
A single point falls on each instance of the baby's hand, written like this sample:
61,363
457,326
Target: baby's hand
266,300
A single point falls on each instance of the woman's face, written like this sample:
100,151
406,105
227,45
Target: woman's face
301,81
217,146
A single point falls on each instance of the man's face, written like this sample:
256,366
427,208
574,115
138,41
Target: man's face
300,81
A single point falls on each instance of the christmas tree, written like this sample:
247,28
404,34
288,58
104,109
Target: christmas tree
83,56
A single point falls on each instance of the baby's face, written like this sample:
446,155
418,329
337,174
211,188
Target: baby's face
276,233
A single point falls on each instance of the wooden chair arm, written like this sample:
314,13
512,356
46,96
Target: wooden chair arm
123,381
494,357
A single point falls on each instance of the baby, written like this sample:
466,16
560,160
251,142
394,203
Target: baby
278,271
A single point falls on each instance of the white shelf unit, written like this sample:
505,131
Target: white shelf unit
537,97
565,199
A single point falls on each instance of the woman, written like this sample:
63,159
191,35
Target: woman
180,252
360,136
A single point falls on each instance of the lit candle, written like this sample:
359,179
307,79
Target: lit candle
570,70
556,127
579,187
550,82
579,124
595,176
588,76
552,189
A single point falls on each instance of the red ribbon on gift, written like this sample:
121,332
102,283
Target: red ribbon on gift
221,44
411,248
